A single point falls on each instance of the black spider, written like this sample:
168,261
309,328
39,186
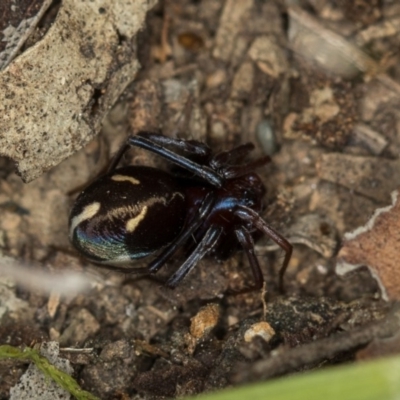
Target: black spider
210,203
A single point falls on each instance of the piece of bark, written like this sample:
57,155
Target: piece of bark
332,52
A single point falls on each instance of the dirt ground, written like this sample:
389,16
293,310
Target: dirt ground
229,72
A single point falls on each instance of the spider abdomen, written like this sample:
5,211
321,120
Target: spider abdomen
113,220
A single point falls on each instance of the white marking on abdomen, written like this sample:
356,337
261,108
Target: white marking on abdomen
132,224
88,212
122,178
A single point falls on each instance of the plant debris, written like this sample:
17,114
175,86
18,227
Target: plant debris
316,87
376,245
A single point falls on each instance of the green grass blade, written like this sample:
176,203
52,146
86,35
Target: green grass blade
374,380
64,380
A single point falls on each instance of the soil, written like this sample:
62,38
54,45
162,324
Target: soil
226,72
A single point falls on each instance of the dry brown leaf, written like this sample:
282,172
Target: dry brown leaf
376,246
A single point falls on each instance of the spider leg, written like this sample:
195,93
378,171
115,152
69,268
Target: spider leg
191,147
193,225
208,241
249,215
168,252
246,241
231,156
235,171
156,143
117,157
